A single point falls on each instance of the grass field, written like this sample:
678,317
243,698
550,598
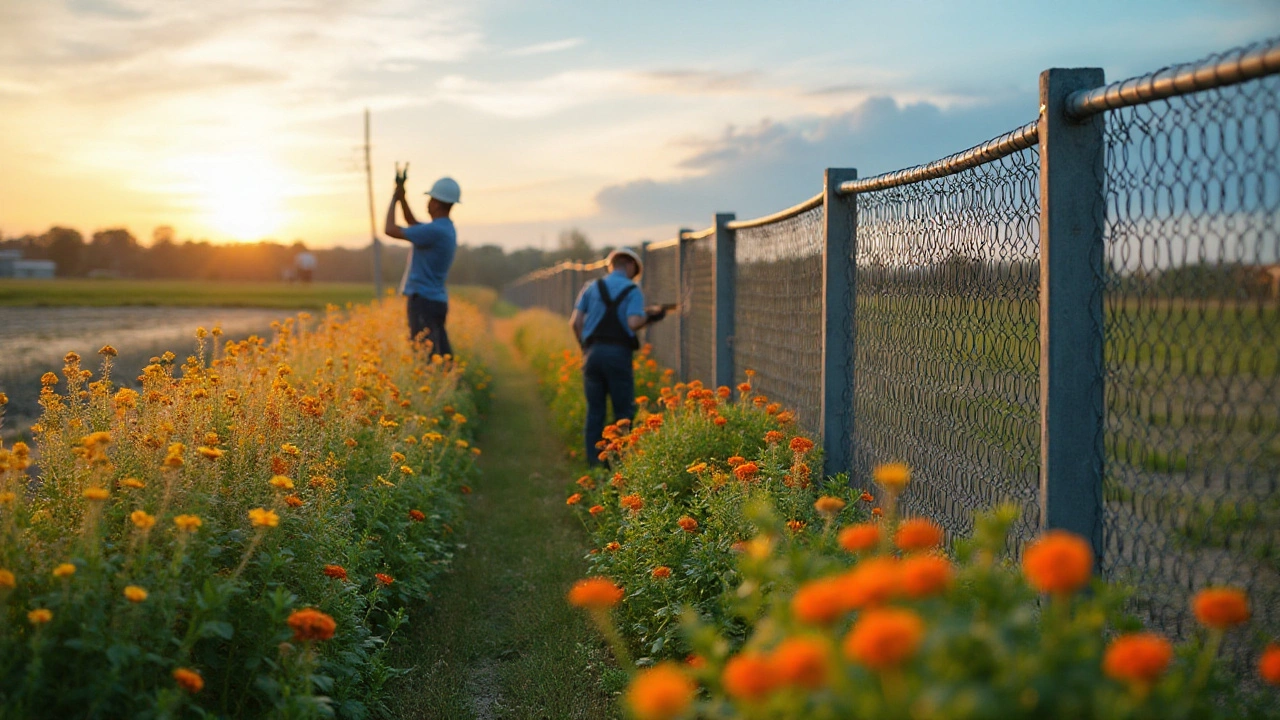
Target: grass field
179,293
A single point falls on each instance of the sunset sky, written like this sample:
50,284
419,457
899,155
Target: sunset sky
238,120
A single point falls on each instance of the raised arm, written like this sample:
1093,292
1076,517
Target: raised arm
408,213
391,229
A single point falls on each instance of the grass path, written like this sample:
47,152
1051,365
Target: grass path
498,640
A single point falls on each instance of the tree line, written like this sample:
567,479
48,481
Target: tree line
116,252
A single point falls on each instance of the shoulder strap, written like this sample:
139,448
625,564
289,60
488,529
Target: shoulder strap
609,302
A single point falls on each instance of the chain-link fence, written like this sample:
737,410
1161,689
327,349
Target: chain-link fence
777,311
967,291
661,285
1192,326
946,353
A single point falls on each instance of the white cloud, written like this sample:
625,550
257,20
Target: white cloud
547,47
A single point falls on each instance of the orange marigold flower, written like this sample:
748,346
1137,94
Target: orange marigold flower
596,509
884,638
661,572
466,489
724,392
39,616
189,680
742,387
1221,608
749,676
819,602
96,494
661,692
134,593
892,476
7,580
311,624
828,505
786,417
802,661
654,422
280,482
1058,562
918,534
573,499
613,546
64,570
293,501
760,401
877,512
1138,658
187,523
1269,664
773,436
597,593
872,582
263,518
720,421
384,578
795,526
631,502
417,515
857,538
773,408
337,572
866,497
688,524
925,575
746,471
735,460
142,520
132,482
586,483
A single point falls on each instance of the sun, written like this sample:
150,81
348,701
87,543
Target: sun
242,195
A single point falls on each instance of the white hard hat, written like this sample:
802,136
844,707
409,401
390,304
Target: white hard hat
446,190
629,253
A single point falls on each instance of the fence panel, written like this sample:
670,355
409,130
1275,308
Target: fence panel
778,311
946,369
697,308
1192,326
662,285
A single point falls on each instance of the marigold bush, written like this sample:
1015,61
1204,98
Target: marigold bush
206,543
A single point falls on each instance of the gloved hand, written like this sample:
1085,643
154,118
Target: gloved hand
656,314
401,175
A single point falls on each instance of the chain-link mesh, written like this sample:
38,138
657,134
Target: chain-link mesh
946,368
1192,326
661,282
777,311
697,309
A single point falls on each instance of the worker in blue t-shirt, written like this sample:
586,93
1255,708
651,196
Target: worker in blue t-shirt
430,258
605,319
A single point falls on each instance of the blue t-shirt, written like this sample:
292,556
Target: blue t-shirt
591,305
434,245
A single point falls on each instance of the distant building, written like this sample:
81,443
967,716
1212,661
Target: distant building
12,265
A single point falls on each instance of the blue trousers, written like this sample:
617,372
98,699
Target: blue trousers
606,373
429,316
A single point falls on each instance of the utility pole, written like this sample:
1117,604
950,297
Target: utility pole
373,228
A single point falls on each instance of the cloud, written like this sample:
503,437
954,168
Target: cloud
546,47
770,166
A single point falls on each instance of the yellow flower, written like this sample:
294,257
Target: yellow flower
64,570
462,444
7,497
263,518
7,580
406,470
142,520
460,418
289,449
280,482
188,523
892,476
397,457
134,593
96,493
209,453
39,616
131,482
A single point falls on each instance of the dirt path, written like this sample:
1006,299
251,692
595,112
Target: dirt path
498,639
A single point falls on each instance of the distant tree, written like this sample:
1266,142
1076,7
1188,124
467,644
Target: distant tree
163,234
115,250
574,246
65,247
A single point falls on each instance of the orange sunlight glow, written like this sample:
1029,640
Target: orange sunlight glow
239,195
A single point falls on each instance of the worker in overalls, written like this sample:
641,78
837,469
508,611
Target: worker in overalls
605,319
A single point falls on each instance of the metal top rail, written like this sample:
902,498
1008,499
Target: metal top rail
1230,68
991,150
698,234
673,242
790,212
558,267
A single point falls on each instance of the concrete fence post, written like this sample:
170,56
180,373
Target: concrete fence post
838,328
1071,334
722,357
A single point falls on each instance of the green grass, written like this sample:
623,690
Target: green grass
194,293
499,640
